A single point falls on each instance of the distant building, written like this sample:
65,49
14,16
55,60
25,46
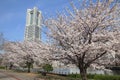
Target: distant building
33,25
2,40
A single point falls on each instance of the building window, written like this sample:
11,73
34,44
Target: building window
37,18
37,32
31,17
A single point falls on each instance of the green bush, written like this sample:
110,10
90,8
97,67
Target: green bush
2,67
106,77
48,67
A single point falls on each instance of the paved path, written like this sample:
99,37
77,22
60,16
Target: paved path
5,77
10,75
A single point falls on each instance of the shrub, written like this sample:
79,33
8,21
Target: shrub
48,67
2,67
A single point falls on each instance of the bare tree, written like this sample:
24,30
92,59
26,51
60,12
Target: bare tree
1,41
86,35
1,46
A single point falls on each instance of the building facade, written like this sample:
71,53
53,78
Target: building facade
33,25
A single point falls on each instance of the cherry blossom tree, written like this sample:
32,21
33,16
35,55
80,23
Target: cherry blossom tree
116,48
8,60
25,53
10,56
86,36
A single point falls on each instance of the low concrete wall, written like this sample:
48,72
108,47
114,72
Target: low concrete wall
67,71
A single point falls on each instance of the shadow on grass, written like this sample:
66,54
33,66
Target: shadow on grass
56,77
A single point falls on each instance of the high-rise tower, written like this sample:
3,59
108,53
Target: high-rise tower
33,25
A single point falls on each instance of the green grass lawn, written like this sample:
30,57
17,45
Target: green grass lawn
77,77
57,77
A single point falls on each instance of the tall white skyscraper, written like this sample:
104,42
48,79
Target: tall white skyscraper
33,25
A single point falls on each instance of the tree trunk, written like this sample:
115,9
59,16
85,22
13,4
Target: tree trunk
28,68
83,73
6,67
10,66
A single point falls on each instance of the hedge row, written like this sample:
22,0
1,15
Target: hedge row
107,77
97,77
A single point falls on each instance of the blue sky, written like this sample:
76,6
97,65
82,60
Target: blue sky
13,15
